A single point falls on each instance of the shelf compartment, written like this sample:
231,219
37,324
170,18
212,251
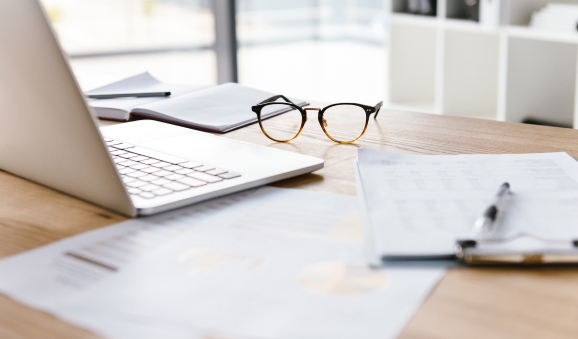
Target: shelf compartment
470,74
520,11
414,107
412,64
541,81
459,9
404,6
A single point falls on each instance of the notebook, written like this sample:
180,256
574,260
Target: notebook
218,108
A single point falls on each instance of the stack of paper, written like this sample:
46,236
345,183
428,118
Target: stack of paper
419,205
270,263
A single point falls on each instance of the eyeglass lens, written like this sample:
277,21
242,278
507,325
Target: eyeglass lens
344,122
284,126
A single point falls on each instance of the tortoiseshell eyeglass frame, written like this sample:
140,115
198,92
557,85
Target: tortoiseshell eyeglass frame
273,101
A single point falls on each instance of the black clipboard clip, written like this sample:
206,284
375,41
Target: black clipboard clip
525,249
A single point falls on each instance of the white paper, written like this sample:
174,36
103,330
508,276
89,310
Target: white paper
559,17
215,108
274,263
219,108
119,108
49,274
420,204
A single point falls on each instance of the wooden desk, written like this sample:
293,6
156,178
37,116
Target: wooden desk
474,303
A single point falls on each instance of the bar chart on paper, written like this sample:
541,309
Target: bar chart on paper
275,263
73,265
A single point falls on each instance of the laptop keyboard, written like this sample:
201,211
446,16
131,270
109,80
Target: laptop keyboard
150,174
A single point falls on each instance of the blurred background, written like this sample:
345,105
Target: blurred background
508,60
325,50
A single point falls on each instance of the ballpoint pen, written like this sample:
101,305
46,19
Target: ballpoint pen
128,95
483,227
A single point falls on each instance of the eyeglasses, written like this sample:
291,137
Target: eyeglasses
343,123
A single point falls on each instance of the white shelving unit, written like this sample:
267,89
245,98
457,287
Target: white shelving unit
495,68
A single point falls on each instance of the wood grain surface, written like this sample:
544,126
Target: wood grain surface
472,303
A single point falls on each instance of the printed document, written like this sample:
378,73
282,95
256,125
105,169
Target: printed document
418,205
267,263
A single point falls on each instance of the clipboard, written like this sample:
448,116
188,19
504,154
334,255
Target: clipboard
515,250
525,249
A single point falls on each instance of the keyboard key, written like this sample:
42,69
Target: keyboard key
204,177
149,178
139,166
129,163
128,155
175,186
160,181
137,184
107,140
128,179
163,173
174,176
150,170
162,191
132,190
229,175
215,171
117,152
123,146
147,195
172,168
161,164
192,182
149,161
158,155
204,168
149,187
119,160
139,158
126,171
191,164
137,174
185,171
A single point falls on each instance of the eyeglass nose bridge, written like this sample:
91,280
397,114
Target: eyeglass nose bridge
311,109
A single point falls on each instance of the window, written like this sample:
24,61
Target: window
107,40
328,50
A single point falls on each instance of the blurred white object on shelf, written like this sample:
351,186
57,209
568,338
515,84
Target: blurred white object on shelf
559,17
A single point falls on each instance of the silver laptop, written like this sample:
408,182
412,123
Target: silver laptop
49,135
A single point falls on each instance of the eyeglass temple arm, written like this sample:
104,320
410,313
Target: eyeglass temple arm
377,108
274,98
